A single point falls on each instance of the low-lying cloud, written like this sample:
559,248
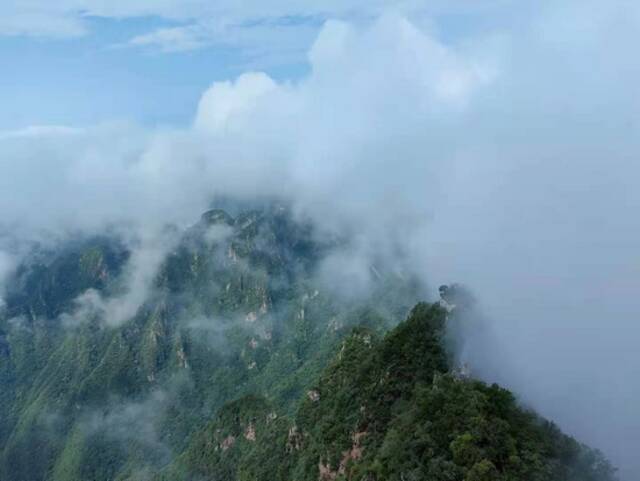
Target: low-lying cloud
506,161
6,267
138,283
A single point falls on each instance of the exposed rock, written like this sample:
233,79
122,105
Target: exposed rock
325,472
264,308
247,223
313,395
294,439
250,432
461,372
455,295
216,216
446,306
334,324
353,454
182,358
227,442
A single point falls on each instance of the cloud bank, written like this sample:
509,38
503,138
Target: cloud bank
507,161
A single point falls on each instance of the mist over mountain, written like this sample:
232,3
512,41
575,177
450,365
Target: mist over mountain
403,159
243,360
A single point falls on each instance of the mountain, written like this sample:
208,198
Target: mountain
243,363
389,408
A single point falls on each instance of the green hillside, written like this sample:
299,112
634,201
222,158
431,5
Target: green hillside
389,409
243,364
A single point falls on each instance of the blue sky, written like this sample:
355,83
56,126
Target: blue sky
92,79
80,62
104,74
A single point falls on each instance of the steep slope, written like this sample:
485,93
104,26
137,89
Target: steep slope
38,361
236,308
390,409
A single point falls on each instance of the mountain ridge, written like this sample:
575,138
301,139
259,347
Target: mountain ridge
236,319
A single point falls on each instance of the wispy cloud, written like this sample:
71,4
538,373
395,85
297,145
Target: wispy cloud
39,131
175,39
269,41
195,24
147,255
507,162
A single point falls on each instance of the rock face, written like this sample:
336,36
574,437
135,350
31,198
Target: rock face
227,442
250,432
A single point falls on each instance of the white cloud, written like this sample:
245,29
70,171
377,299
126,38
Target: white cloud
507,162
38,131
224,103
173,39
139,275
255,27
40,19
251,136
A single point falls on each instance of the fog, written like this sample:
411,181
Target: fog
506,160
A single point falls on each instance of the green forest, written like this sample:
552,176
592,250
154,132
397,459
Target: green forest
241,364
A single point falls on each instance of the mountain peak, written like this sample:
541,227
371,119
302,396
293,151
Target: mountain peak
216,216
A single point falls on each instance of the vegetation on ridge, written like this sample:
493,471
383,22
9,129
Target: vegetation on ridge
390,409
242,365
